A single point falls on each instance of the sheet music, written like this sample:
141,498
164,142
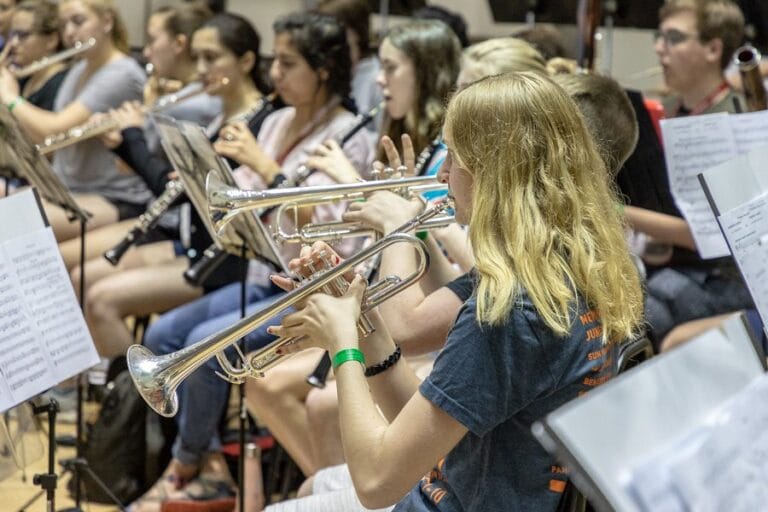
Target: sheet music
746,228
749,130
43,336
692,145
720,465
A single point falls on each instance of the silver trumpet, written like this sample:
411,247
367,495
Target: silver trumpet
225,202
157,377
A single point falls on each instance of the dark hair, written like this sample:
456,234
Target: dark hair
240,37
45,14
185,19
322,40
435,53
355,15
450,18
545,38
215,6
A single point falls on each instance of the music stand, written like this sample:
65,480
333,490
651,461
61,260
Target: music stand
191,154
602,436
30,165
736,191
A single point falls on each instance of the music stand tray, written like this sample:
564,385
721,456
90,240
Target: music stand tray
18,153
192,156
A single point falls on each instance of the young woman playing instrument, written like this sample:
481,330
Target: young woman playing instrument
115,292
556,292
104,78
420,63
34,35
311,73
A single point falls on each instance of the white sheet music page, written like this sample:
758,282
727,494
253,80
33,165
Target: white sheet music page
746,228
719,465
692,145
43,336
750,130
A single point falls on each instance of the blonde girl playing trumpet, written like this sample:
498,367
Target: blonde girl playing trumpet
556,293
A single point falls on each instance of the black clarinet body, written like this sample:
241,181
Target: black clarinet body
199,272
147,221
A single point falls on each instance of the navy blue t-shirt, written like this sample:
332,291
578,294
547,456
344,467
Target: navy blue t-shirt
496,381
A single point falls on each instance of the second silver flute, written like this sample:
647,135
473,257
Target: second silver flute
92,129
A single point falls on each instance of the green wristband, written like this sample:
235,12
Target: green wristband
422,235
346,355
18,100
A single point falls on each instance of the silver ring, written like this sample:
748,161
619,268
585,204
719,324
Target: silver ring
402,169
229,137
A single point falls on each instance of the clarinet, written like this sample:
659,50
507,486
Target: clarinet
212,256
147,221
320,374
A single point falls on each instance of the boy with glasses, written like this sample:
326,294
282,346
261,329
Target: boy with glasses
695,42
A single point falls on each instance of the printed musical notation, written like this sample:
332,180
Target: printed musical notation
43,336
717,466
692,145
47,289
746,228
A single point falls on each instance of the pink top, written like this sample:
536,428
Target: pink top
359,149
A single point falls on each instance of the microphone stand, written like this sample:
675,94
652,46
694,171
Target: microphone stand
609,8
243,413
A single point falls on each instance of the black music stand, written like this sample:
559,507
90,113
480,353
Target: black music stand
192,156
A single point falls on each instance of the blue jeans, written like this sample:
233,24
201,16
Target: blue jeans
203,395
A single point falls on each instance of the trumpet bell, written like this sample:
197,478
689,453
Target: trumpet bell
155,379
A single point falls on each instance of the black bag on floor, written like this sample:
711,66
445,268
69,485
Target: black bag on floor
115,448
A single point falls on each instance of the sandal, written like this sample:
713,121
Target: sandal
205,489
152,500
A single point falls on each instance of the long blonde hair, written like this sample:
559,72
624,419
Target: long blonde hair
544,217
119,34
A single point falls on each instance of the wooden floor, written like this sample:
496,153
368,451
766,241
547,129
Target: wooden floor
17,488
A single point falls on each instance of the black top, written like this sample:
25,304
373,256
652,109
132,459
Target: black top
154,169
644,183
45,95
464,285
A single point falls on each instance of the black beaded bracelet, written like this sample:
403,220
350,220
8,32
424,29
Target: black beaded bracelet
387,363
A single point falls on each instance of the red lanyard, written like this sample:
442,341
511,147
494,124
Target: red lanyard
712,98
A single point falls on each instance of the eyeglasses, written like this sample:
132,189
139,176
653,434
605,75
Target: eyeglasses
20,34
672,37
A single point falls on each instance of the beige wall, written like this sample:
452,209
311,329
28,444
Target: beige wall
632,49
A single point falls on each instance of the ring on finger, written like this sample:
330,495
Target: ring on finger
229,137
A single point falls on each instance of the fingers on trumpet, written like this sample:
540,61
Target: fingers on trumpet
323,319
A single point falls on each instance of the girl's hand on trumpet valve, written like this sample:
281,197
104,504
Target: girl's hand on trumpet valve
311,259
383,211
324,321
329,158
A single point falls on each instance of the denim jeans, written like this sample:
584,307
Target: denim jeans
203,395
